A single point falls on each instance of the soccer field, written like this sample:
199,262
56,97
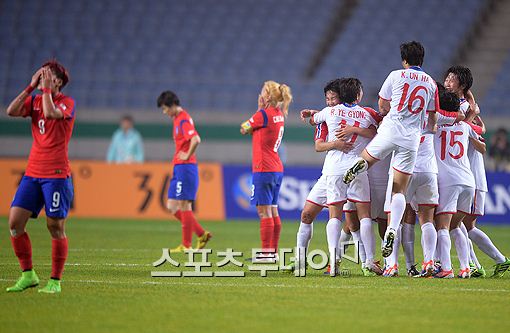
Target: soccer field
108,287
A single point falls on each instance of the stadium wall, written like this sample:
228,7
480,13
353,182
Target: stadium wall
140,190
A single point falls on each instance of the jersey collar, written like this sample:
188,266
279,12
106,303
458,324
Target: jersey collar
350,105
416,68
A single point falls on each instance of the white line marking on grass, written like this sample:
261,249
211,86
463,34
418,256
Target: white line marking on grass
259,285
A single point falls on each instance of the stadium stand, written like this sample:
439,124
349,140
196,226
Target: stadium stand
498,93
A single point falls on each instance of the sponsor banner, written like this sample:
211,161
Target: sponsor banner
297,183
104,190
497,202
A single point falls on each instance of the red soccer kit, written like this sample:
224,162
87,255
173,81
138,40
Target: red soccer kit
49,154
268,127
184,130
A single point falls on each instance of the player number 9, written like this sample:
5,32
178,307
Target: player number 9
42,130
56,200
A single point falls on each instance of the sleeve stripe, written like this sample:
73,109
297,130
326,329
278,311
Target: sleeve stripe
389,100
266,120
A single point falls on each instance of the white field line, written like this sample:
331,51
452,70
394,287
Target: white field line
262,285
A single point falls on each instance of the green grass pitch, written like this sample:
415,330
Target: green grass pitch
107,287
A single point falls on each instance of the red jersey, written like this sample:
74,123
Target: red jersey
184,130
49,154
268,127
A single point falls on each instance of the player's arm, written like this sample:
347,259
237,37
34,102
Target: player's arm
193,144
384,106
49,109
341,145
307,113
478,145
473,110
480,123
246,128
432,122
258,120
344,132
16,106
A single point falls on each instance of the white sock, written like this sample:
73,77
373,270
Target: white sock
368,239
344,237
437,253
428,241
304,235
408,243
398,206
461,246
356,236
445,244
472,255
485,244
333,235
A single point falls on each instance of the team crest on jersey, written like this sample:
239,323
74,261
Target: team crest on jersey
63,107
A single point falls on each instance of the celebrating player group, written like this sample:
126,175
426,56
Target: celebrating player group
418,156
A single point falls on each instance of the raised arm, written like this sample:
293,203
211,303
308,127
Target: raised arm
48,87
15,108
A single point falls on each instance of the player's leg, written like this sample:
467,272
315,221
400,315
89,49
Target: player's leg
461,244
428,238
277,182
444,243
474,265
27,203
368,239
403,165
333,234
408,240
58,195
382,225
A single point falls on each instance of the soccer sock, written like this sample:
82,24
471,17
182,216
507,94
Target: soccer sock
437,253
59,250
485,244
408,243
23,250
368,239
304,235
461,246
356,236
266,232
445,244
333,235
428,241
344,237
276,232
178,215
393,258
187,227
472,255
398,206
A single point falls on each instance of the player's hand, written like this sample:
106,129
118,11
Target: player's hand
183,156
344,132
47,78
243,131
34,82
305,114
343,146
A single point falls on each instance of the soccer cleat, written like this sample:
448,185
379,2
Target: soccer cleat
328,269
391,271
373,268
445,274
472,266
360,166
500,269
202,240
367,272
27,280
437,267
53,287
427,269
389,240
478,272
464,273
412,272
180,249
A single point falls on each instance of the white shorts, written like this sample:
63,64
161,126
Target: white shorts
478,206
318,193
337,191
349,207
403,159
422,189
455,198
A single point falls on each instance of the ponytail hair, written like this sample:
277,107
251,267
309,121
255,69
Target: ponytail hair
280,95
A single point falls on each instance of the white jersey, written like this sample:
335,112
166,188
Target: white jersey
451,144
410,92
337,162
426,158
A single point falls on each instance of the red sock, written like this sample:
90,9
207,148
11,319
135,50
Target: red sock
276,232
197,228
187,227
23,250
178,215
266,232
58,257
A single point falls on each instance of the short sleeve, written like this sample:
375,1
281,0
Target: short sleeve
27,107
320,117
446,117
387,87
474,130
321,132
66,106
433,105
188,128
375,117
259,120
